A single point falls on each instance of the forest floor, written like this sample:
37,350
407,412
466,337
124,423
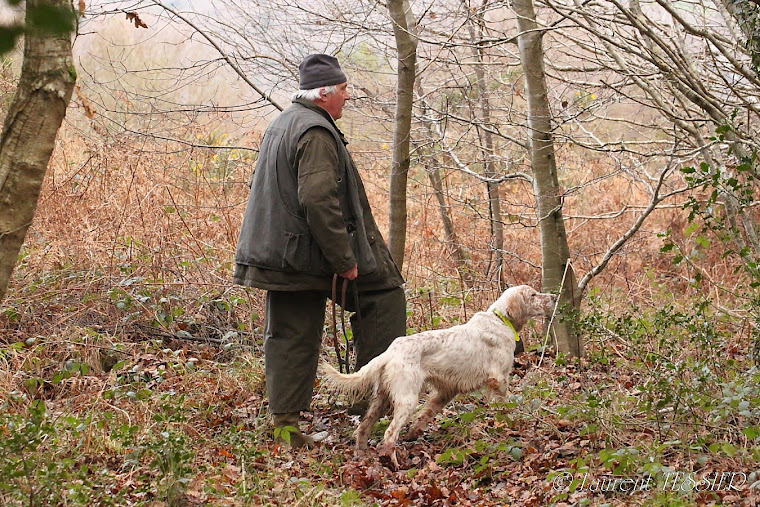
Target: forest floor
131,370
158,411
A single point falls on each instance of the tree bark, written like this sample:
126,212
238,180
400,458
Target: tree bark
28,138
404,30
436,181
557,273
487,148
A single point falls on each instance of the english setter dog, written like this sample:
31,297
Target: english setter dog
456,360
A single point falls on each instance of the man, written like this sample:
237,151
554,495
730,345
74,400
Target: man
308,218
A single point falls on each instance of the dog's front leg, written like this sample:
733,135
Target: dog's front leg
435,403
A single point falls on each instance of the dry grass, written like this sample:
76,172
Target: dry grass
128,266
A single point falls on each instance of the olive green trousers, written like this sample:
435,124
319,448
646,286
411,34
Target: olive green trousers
293,336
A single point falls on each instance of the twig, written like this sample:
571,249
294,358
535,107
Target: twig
266,96
185,337
554,314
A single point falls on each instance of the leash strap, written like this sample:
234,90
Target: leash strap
358,314
349,342
342,364
357,310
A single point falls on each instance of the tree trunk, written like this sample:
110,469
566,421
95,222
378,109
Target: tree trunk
457,252
404,30
487,149
436,181
28,138
556,273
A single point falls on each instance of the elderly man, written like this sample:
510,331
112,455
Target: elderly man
308,218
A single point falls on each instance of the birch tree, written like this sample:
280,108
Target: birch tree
404,31
557,273
31,125
476,28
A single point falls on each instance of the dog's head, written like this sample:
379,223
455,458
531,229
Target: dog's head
522,303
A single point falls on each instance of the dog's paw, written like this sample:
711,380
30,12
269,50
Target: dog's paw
493,384
389,456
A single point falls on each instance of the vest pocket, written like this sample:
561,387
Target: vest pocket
362,249
296,254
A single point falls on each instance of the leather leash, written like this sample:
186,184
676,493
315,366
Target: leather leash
344,365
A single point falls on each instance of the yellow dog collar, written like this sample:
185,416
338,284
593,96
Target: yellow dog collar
507,323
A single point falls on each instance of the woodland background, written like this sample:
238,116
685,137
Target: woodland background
131,367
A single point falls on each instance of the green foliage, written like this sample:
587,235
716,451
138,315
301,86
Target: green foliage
481,456
747,15
139,299
686,388
44,18
8,37
364,57
39,462
219,164
166,450
52,19
283,433
688,392
711,189
350,498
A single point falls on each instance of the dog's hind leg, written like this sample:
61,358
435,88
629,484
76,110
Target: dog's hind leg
434,404
403,408
378,407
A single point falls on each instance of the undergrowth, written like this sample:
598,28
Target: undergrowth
172,410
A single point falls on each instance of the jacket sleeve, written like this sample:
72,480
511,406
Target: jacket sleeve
318,173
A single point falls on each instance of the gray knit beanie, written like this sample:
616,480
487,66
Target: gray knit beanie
319,70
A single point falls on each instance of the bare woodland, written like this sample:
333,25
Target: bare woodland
604,150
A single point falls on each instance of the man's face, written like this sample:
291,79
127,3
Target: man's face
334,102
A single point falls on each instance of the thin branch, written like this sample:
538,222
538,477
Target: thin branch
223,54
653,202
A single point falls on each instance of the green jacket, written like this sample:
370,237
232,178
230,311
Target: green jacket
308,215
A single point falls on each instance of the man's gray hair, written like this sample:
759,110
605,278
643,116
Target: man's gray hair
314,93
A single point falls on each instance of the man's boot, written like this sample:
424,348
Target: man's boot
286,430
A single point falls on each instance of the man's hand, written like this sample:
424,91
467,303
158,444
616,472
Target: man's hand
351,273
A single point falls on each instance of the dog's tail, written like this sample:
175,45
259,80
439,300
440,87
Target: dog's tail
355,386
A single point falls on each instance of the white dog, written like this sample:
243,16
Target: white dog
452,361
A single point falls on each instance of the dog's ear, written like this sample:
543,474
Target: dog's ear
515,306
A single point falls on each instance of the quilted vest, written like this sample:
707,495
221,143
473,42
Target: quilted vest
274,234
